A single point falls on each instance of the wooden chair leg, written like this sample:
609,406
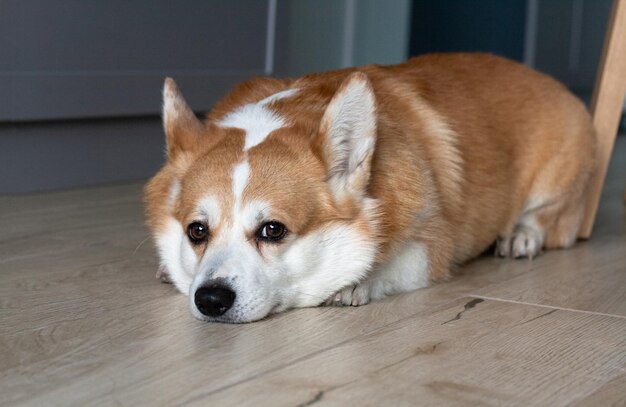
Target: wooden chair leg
607,104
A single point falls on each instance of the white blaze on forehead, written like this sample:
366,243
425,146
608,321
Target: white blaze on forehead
256,119
241,175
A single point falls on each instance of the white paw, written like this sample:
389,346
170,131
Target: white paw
162,275
354,295
525,242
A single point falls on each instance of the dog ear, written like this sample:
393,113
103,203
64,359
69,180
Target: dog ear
182,128
347,137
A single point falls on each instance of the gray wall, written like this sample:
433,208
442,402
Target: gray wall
568,40
40,156
80,81
328,34
381,32
80,59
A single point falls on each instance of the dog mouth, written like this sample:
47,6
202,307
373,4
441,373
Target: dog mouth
231,316
215,305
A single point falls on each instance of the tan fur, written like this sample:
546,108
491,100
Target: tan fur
465,143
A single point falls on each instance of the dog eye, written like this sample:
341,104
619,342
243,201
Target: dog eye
197,232
272,231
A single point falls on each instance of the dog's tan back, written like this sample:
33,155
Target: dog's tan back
526,146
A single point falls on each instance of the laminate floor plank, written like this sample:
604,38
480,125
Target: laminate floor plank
100,313
56,229
67,200
468,352
611,394
91,309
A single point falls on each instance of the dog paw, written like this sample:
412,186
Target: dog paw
525,242
503,246
162,276
354,295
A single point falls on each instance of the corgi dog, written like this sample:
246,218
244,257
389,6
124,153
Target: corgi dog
348,186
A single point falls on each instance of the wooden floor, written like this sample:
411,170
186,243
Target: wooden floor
84,322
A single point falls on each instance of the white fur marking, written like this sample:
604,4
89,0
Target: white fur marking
241,175
277,96
257,120
253,213
407,271
209,209
176,254
334,256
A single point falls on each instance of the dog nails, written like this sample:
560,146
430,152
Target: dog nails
161,275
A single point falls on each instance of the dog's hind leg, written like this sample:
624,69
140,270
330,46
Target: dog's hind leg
552,213
528,233
563,232
551,223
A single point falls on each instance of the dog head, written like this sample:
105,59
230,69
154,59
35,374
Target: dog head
255,212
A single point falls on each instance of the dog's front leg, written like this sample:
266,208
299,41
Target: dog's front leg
162,275
410,269
354,295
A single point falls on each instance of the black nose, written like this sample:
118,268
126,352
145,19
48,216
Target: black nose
214,300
